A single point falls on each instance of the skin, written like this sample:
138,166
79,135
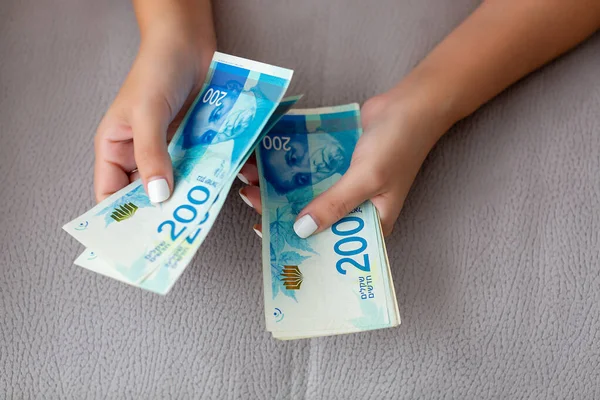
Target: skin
498,44
177,45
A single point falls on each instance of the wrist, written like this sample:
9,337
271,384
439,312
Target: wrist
423,109
425,95
196,46
183,25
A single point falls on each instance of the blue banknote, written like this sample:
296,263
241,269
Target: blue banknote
216,136
162,279
337,281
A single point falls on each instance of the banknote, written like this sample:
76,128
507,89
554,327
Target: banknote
337,281
162,279
216,136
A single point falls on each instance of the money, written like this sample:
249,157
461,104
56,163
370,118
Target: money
136,240
337,281
163,278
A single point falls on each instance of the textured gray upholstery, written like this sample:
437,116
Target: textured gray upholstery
495,256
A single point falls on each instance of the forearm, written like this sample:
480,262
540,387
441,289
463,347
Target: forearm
501,42
188,21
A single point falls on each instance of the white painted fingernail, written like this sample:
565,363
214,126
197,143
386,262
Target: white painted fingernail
158,190
243,178
305,226
245,198
259,233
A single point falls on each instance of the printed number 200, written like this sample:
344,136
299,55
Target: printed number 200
348,238
214,97
276,143
187,213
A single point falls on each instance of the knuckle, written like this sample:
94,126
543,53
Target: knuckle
97,140
372,107
103,129
336,209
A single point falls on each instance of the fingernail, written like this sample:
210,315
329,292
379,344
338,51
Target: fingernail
305,226
245,198
158,190
243,178
259,233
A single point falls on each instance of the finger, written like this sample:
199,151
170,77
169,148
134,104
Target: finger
249,173
109,178
251,196
348,193
114,158
134,176
258,230
149,124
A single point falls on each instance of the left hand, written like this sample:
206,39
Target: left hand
131,140
397,136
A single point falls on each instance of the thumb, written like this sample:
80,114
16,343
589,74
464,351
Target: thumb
348,193
149,125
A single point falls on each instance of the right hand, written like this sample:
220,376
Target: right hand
399,130
131,140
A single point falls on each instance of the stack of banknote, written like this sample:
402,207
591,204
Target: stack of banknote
337,281
239,110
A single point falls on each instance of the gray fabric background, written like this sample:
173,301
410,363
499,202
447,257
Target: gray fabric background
495,256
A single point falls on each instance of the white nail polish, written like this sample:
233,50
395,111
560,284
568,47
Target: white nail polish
245,198
259,233
243,179
158,190
305,226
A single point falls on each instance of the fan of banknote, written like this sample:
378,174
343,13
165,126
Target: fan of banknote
337,281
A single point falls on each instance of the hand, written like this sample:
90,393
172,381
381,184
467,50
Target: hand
131,141
397,136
